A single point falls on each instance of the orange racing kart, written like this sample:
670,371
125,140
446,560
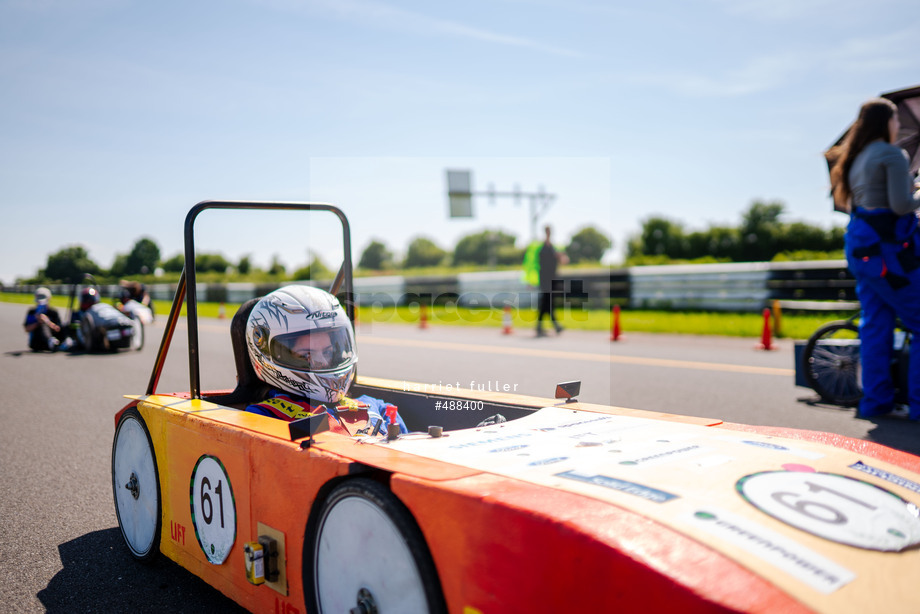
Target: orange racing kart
565,506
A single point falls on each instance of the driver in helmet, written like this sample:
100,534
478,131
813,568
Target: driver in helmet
301,343
88,298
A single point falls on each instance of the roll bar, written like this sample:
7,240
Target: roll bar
187,288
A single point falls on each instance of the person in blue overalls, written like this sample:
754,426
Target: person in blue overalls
871,176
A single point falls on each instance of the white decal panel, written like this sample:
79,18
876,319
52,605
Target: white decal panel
804,515
213,509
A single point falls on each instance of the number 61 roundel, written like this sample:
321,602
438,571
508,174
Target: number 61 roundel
213,508
835,507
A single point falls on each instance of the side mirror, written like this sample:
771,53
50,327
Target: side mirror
568,391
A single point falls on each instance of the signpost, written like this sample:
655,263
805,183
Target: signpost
460,198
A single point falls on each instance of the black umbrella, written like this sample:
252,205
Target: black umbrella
908,103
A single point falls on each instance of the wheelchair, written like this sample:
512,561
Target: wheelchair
831,362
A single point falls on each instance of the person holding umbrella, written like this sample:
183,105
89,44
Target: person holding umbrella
870,177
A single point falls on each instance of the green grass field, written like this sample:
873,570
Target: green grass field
791,325
795,326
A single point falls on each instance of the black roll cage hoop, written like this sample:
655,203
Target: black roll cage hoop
186,291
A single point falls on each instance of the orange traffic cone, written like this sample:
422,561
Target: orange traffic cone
423,317
221,312
766,338
615,329
506,321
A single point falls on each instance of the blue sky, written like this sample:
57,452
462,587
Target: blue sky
117,115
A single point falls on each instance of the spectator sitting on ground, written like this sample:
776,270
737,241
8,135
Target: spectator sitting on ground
43,323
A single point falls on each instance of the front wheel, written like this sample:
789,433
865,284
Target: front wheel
136,486
88,328
137,338
368,555
832,365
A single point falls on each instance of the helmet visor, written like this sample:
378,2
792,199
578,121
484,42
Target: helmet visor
321,349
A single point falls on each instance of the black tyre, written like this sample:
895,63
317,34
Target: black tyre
136,487
88,328
367,554
832,365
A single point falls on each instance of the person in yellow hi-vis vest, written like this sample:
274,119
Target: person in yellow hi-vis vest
541,262
302,344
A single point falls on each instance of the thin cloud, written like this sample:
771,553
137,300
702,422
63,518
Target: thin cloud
756,76
769,72
379,14
890,52
794,10
56,7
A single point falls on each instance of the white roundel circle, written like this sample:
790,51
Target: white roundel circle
836,507
213,508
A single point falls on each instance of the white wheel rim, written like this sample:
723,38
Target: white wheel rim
137,516
359,547
138,337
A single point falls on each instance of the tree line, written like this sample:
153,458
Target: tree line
761,236
486,248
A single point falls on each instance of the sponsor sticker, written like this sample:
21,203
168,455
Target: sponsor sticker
775,447
804,564
624,486
887,476
665,455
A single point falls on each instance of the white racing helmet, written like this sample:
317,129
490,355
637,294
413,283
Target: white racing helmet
301,340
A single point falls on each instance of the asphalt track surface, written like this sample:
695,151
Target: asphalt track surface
59,542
